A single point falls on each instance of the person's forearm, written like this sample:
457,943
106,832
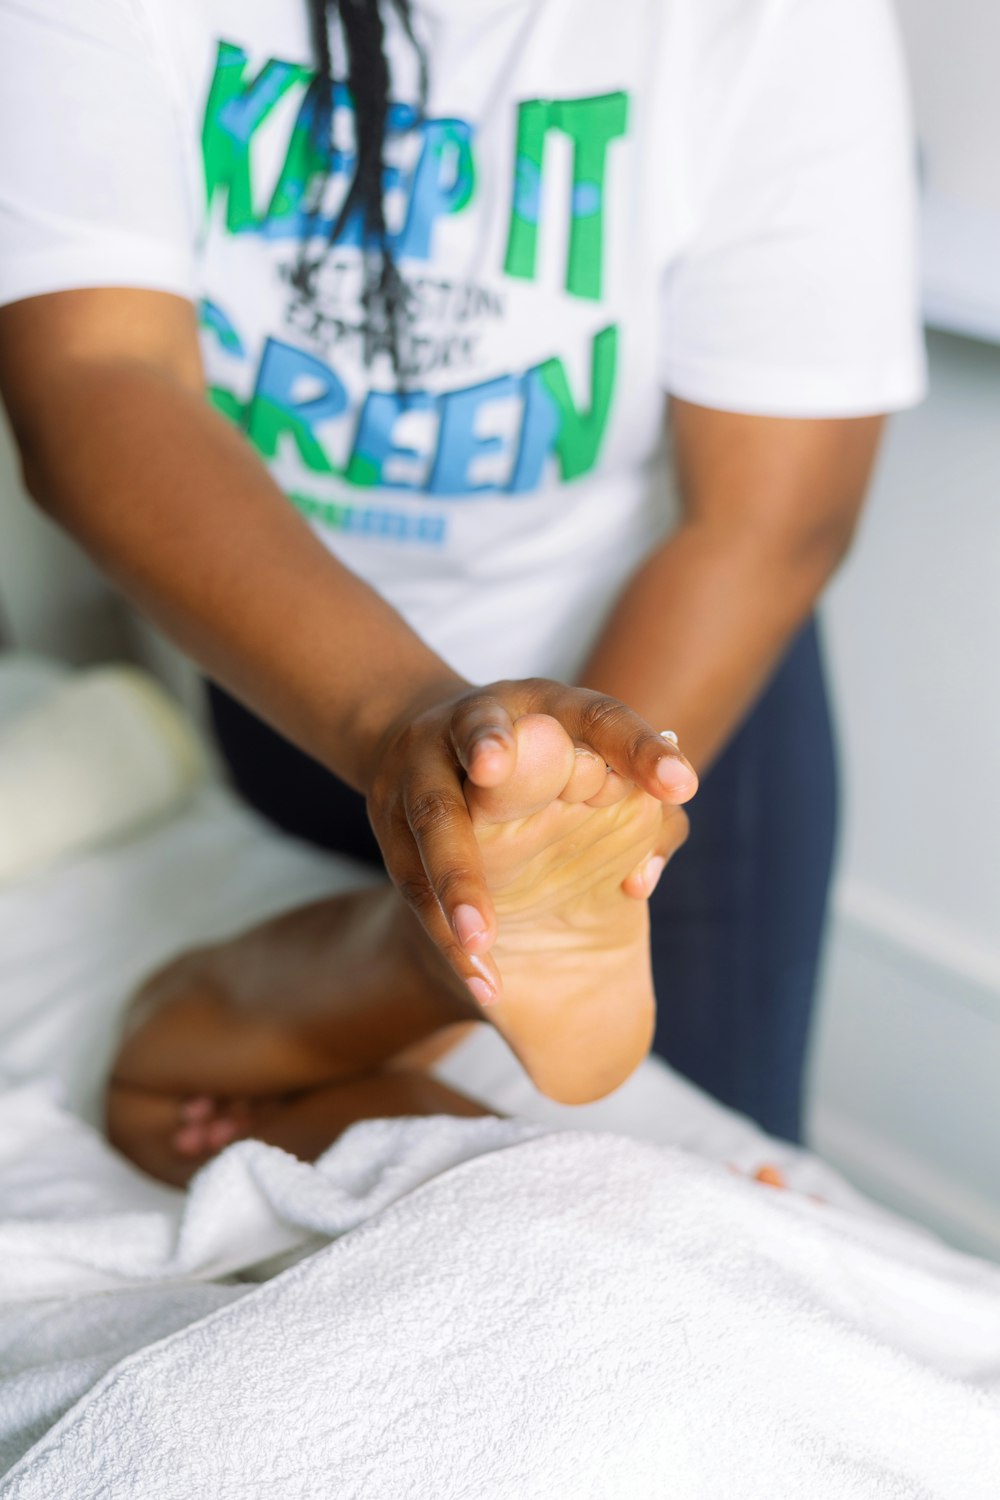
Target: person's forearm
701,626
104,389
180,511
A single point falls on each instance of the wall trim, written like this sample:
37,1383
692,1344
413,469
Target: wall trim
893,1176
944,958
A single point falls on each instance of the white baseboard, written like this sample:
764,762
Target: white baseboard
906,1067
891,1175
917,940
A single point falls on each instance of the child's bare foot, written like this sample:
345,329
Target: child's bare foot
171,1136
569,880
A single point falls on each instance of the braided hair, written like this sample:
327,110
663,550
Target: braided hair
363,30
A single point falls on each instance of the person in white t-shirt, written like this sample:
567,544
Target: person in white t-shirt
451,268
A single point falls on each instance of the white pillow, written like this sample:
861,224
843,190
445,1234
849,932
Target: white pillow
25,680
99,755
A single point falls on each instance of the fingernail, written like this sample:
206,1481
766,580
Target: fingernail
675,775
468,924
652,872
668,734
488,742
480,991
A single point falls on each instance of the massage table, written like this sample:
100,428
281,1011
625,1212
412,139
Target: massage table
561,1302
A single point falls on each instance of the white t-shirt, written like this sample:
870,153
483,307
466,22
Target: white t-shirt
606,200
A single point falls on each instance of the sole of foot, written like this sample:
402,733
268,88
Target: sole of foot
573,931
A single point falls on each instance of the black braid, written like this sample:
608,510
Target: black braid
369,82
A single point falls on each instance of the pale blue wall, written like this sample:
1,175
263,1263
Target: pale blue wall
908,1058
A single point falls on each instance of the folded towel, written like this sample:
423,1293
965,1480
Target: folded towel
101,755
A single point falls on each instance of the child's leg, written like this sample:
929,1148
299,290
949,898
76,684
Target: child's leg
326,992
336,990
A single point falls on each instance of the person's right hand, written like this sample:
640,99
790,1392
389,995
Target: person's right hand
417,808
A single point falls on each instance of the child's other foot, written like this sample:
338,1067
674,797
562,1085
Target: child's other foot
569,881
172,1136
205,1125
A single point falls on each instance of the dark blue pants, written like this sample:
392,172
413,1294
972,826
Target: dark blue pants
738,917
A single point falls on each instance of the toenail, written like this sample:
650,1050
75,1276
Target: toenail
469,924
197,1108
188,1141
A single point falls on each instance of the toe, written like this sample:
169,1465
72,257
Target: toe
587,777
222,1132
546,758
770,1176
643,882
199,1107
190,1141
615,789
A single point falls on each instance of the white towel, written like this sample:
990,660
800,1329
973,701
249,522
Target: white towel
508,1313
